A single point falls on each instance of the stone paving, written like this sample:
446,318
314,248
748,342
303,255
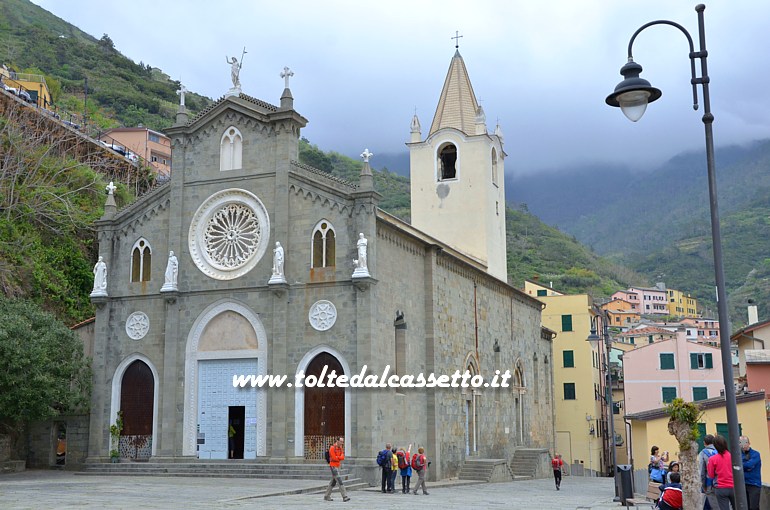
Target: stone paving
64,490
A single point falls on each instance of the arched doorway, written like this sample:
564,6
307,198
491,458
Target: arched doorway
136,403
519,390
324,407
471,416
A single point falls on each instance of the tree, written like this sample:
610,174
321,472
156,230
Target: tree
43,371
683,425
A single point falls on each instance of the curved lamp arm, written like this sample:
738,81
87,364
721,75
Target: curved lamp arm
693,53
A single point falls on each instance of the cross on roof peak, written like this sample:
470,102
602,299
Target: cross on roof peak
457,39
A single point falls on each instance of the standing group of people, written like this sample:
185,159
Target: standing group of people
715,467
393,462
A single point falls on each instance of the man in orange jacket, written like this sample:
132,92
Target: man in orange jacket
336,456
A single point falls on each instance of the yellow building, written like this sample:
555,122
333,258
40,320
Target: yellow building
577,390
33,84
681,304
650,428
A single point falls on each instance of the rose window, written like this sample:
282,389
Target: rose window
229,234
232,236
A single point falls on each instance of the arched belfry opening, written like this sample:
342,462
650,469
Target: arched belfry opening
447,161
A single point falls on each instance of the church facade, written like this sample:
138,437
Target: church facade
250,263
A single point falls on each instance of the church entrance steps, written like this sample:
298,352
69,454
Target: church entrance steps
222,469
487,470
528,463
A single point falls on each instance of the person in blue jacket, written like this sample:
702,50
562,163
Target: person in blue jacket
752,469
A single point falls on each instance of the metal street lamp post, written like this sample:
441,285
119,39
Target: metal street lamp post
594,338
632,95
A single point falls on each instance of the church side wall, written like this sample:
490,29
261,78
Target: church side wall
397,415
502,424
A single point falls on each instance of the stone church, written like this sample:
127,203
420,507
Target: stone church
282,269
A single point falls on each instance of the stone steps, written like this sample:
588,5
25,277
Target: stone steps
486,470
524,464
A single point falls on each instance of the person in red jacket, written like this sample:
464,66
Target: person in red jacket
336,456
721,465
558,466
671,496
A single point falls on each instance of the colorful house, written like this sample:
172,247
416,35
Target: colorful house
657,373
577,390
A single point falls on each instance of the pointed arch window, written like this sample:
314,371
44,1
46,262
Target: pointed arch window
141,261
494,166
447,161
324,245
231,150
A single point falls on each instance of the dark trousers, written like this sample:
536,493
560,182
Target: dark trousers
557,477
392,481
386,483
753,492
405,483
725,498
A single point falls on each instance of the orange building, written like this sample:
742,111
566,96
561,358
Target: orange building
152,146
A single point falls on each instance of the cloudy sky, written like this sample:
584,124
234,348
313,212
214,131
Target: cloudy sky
542,69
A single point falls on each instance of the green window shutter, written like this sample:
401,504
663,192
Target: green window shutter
722,430
569,391
569,359
709,361
694,361
700,393
701,435
542,292
666,361
566,322
669,394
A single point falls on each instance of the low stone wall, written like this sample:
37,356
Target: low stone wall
42,442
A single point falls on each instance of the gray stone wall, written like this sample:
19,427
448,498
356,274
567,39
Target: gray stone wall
42,442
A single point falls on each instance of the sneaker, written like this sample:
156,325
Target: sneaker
328,499
425,493
415,493
346,498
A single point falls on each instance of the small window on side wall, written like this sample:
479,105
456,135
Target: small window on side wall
323,247
494,166
447,162
141,261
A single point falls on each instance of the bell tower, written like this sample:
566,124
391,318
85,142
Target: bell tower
457,175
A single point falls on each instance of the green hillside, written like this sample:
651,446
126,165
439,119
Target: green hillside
120,92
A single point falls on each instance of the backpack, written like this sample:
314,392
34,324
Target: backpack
708,453
327,457
384,458
418,461
402,460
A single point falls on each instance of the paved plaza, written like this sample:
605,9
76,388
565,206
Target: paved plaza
64,490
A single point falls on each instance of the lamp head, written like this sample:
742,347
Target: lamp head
633,93
593,337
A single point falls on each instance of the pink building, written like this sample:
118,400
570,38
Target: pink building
652,300
632,298
656,373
